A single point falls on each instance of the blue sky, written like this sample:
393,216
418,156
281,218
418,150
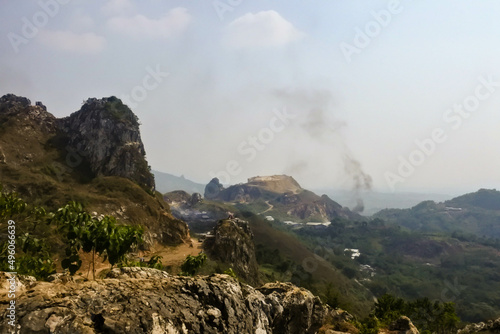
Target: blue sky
368,82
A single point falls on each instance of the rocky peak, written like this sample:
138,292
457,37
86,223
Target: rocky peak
106,132
27,116
213,188
231,242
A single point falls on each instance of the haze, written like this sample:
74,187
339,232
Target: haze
394,95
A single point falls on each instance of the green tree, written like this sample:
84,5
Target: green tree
192,264
102,237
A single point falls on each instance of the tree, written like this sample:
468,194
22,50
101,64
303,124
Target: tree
192,264
102,237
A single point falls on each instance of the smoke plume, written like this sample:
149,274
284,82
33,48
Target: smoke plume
319,123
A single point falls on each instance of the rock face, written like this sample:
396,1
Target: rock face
283,195
213,188
52,160
232,243
492,326
141,300
403,326
106,133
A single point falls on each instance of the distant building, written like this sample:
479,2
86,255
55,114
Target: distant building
449,208
354,252
289,222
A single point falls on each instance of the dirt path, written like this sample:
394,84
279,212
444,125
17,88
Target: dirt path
175,256
171,256
268,209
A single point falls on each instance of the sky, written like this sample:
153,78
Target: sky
391,96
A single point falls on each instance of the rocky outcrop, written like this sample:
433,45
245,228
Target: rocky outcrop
141,300
106,133
284,194
403,325
231,242
491,326
50,161
213,189
30,119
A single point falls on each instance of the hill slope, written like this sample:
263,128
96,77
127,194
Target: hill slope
94,156
279,196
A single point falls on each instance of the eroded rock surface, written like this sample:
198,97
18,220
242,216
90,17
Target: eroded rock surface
141,300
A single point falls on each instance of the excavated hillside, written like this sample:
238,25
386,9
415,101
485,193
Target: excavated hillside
280,196
95,156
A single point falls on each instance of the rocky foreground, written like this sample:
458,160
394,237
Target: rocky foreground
142,300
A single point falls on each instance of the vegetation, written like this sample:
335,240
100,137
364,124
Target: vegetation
93,235
192,264
427,316
119,111
75,227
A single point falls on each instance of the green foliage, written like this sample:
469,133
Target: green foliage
192,264
154,262
34,260
120,111
231,273
10,204
427,316
98,236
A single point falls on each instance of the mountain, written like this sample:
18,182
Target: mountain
279,196
375,201
94,156
475,214
166,182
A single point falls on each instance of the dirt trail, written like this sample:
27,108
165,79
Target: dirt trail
174,256
171,256
268,209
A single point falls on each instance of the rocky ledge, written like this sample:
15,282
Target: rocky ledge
142,300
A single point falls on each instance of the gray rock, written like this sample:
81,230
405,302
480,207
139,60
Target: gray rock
232,243
141,300
106,133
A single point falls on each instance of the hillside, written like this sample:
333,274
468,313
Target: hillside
279,196
95,156
476,214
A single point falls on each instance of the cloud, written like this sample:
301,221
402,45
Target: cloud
266,28
139,26
88,43
117,7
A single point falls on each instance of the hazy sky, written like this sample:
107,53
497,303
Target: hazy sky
404,95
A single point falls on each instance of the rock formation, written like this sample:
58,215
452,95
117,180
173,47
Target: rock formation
106,133
285,197
491,326
231,242
95,154
141,300
213,189
403,325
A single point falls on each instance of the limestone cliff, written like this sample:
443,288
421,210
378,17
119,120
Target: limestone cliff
231,242
139,300
106,133
94,156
